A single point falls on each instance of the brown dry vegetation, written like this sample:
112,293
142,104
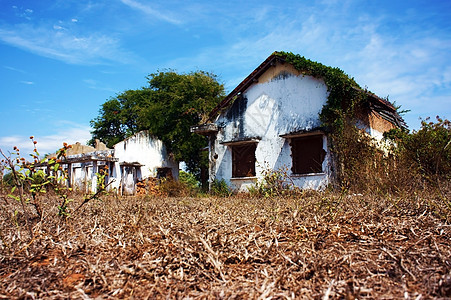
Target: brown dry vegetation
312,246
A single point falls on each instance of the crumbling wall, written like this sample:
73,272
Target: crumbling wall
146,153
78,148
280,102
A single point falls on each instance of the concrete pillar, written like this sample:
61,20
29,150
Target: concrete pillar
69,175
94,177
212,156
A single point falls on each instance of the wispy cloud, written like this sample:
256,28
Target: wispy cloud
146,9
15,69
411,72
94,84
56,43
65,132
23,13
245,53
27,82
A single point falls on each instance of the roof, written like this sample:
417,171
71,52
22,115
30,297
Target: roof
385,109
101,155
377,104
269,62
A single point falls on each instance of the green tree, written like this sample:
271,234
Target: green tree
179,102
108,126
118,117
168,107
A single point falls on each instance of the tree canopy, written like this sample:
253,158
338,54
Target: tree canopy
167,107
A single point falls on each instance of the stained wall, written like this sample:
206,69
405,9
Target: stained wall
282,101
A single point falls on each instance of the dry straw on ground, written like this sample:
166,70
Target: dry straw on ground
313,246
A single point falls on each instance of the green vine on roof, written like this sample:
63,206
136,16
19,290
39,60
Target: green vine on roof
344,93
352,151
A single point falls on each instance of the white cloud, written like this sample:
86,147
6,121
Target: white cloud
27,82
151,12
23,13
65,132
409,71
247,52
55,43
95,85
15,69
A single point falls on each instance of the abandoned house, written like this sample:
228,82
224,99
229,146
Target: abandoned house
136,158
139,157
81,164
271,121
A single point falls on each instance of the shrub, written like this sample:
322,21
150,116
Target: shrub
8,179
273,183
172,188
220,188
354,153
30,183
189,180
428,150
27,183
187,185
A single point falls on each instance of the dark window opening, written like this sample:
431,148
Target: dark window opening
164,173
243,160
308,154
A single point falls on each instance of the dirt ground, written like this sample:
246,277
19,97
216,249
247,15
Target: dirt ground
310,246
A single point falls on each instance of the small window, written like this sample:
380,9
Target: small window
164,173
243,160
308,154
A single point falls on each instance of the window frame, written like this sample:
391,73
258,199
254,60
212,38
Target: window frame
243,164
307,160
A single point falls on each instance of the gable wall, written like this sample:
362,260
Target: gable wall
146,150
379,125
282,101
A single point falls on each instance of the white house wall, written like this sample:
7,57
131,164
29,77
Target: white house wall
283,103
143,149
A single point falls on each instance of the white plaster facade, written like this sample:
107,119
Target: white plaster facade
140,156
281,102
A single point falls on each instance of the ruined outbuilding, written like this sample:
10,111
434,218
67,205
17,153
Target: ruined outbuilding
135,159
139,157
270,121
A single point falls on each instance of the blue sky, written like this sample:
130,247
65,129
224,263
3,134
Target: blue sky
61,59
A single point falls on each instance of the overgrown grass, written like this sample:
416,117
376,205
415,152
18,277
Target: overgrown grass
333,244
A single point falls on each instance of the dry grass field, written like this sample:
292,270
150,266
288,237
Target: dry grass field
309,246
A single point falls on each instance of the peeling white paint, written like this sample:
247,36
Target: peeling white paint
146,150
284,104
140,156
